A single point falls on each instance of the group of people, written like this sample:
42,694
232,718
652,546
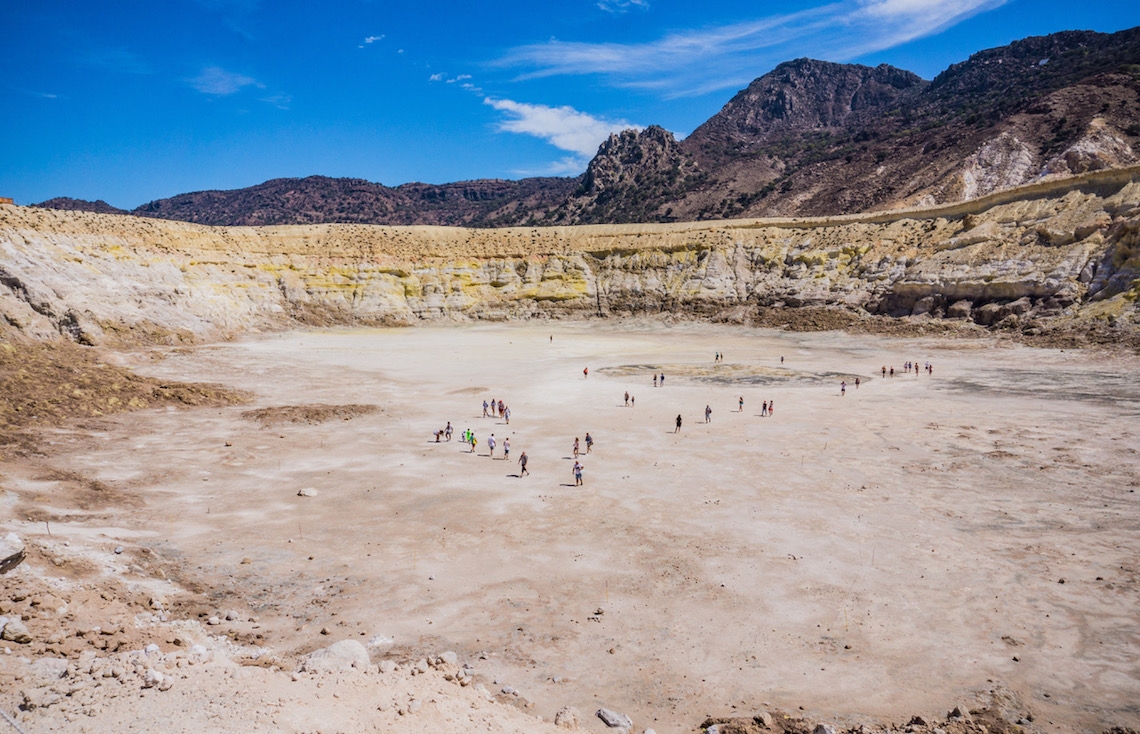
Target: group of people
498,409
908,367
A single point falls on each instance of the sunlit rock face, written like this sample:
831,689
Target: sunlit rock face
1056,250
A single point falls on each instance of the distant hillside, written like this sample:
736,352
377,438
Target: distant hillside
79,205
318,199
808,138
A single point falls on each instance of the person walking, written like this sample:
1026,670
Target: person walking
589,443
447,431
577,474
575,447
741,404
708,414
585,373
842,387
507,414
678,428
627,398
485,406
473,442
506,449
764,409
522,463
654,379
491,445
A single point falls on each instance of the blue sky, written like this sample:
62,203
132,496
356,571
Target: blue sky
133,101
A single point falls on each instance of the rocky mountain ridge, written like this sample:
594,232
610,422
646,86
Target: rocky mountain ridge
808,138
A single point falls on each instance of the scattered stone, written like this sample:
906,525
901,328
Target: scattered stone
449,658
917,721
764,719
338,657
509,691
960,712
232,616
152,678
213,621
152,649
567,718
614,720
49,668
387,666
823,729
15,631
306,492
118,550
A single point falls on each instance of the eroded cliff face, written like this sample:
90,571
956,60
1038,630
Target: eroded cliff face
1050,253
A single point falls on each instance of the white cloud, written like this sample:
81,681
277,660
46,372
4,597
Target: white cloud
621,6
374,39
280,101
563,127
437,77
703,60
217,81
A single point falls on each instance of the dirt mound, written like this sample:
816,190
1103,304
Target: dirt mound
51,383
310,414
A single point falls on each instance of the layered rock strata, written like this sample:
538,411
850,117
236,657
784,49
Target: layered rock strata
1057,251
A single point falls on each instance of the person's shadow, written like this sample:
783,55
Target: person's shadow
564,484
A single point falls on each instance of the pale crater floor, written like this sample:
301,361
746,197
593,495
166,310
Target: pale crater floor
878,555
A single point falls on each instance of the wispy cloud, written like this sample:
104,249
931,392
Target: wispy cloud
280,101
441,77
622,6
698,61
219,82
372,39
563,127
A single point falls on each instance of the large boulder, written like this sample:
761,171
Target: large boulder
336,658
959,310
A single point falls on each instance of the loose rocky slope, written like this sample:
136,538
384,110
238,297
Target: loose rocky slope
1051,256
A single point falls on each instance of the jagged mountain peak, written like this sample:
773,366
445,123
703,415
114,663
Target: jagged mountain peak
804,94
